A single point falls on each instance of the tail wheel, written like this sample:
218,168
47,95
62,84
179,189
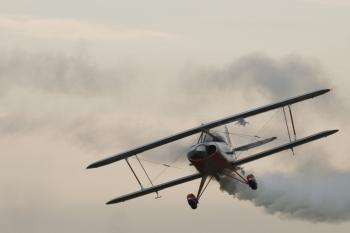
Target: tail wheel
192,200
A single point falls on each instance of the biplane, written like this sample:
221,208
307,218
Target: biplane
213,155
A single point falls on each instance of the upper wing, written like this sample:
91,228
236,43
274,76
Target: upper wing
205,127
284,147
154,188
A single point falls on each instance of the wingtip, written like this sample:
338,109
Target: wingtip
330,132
109,202
319,92
324,91
335,131
93,165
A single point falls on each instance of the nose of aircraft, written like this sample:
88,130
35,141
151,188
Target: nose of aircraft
201,151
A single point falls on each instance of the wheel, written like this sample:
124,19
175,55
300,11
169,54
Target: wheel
192,201
252,182
253,185
193,205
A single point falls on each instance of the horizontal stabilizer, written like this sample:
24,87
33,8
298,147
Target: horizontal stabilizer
254,144
154,188
287,146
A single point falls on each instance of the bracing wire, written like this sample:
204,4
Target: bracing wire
253,137
165,165
169,165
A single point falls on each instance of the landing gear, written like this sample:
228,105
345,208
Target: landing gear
252,182
192,199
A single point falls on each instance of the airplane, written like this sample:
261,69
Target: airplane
213,154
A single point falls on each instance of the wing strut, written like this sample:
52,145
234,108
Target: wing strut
287,125
291,118
285,120
149,179
133,172
136,177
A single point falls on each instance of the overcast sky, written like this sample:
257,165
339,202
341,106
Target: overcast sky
80,80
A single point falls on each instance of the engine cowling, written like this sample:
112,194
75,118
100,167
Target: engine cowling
201,151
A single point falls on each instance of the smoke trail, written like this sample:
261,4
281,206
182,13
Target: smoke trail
316,194
315,191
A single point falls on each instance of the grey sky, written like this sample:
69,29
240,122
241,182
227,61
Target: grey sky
80,80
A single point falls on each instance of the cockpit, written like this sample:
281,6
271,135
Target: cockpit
214,137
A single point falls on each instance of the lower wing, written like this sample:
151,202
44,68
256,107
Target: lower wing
154,188
283,147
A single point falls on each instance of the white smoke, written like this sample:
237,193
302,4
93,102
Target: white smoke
316,193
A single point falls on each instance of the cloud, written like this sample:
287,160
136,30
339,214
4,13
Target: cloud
274,78
58,73
74,93
72,29
75,101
